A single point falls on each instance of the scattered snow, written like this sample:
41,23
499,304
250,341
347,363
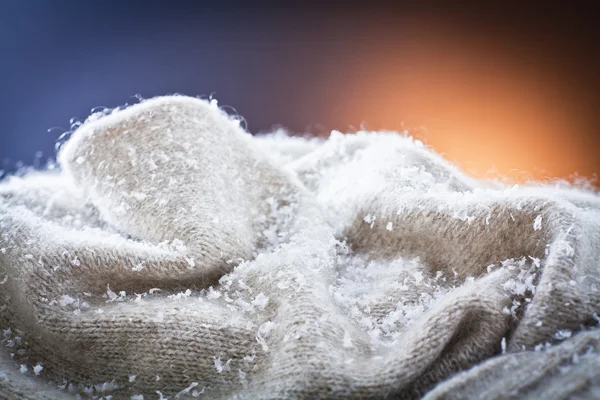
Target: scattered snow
161,396
370,219
563,334
138,267
181,295
537,224
260,301
220,366
191,262
112,296
106,387
292,262
37,369
186,390
213,294
263,332
355,292
65,300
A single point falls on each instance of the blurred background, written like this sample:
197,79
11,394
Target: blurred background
498,88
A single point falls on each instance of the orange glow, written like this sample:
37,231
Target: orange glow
484,105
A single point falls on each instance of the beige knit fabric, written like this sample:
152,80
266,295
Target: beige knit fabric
176,256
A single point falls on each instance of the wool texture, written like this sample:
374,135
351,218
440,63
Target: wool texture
173,255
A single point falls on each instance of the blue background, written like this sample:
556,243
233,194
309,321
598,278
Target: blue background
61,58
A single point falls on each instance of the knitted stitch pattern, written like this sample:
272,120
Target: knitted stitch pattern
175,255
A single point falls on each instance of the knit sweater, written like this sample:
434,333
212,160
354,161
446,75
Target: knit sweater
173,255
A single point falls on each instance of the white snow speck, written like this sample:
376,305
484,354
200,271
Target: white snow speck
181,295
137,397
370,219
503,345
220,366
23,368
65,300
213,294
3,250
132,378
106,387
37,369
389,226
161,396
537,224
80,160
563,334
138,267
186,390
112,296
260,301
